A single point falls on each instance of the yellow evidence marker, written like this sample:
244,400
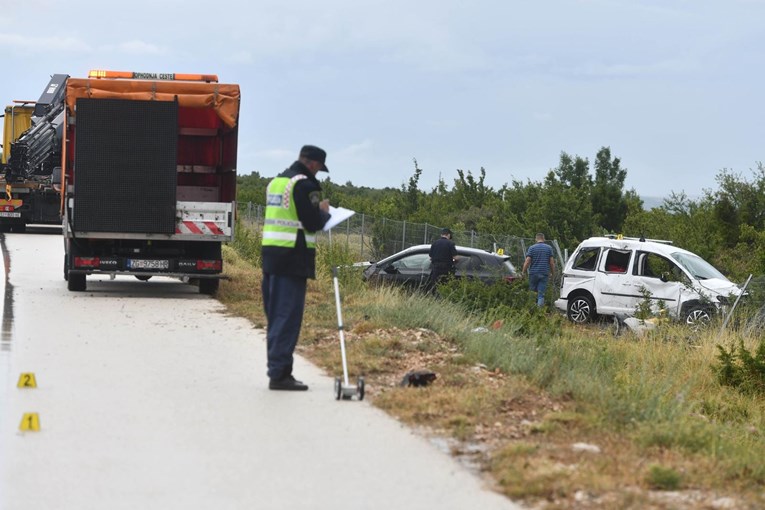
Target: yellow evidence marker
30,421
27,380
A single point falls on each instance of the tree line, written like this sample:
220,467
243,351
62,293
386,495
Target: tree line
576,200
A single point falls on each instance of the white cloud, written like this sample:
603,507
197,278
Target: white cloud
15,43
240,57
137,47
654,68
275,154
357,149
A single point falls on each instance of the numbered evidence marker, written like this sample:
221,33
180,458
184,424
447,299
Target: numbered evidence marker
30,422
27,380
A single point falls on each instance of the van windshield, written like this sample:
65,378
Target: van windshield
698,267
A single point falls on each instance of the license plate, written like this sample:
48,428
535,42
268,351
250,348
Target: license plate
148,264
4,214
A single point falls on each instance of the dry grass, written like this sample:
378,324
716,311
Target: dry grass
543,448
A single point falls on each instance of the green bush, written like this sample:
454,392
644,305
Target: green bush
247,242
511,303
661,478
741,369
340,256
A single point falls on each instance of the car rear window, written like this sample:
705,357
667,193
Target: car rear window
586,259
470,262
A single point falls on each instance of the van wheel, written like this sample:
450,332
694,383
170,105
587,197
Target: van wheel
581,309
698,316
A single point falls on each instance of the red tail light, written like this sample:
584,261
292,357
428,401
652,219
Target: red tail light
87,262
209,265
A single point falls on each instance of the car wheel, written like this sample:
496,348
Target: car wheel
581,309
698,316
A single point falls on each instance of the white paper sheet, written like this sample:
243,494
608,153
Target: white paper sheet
338,214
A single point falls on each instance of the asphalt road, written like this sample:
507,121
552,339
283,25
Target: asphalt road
150,397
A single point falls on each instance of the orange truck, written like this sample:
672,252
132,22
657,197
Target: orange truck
148,173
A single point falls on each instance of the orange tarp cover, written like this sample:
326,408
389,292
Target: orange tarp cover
223,98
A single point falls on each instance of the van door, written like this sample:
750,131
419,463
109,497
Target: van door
614,289
661,280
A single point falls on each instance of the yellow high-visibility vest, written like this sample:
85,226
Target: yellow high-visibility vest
282,224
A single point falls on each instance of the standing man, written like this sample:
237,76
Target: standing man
540,265
294,213
443,254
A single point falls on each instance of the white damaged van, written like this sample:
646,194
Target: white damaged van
611,275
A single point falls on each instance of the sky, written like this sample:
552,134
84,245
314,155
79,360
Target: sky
673,87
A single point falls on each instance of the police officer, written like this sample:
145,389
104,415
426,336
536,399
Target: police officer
294,213
443,255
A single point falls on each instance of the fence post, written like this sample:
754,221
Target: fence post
425,237
403,236
347,233
362,236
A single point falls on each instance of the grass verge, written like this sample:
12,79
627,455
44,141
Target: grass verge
558,416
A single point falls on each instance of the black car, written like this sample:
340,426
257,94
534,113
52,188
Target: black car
411,267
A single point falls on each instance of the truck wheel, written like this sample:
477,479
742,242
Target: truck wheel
76,282
143,277
208,286
581,309
66,267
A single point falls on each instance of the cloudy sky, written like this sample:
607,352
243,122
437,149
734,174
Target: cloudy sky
673,87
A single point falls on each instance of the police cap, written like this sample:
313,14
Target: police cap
315,154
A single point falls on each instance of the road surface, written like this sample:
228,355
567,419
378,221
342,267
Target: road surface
149,396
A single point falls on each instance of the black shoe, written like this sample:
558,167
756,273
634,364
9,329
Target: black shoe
288,383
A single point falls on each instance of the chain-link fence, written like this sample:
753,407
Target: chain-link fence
373,238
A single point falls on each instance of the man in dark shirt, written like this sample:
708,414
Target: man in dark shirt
443,255
540,264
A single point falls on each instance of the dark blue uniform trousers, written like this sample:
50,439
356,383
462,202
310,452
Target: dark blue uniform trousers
284,301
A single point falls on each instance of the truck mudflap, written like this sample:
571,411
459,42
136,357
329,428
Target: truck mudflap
194,221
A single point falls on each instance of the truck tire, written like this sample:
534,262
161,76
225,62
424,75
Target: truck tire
66,267
208,286
76,282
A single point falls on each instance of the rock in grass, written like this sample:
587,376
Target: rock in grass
418,378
